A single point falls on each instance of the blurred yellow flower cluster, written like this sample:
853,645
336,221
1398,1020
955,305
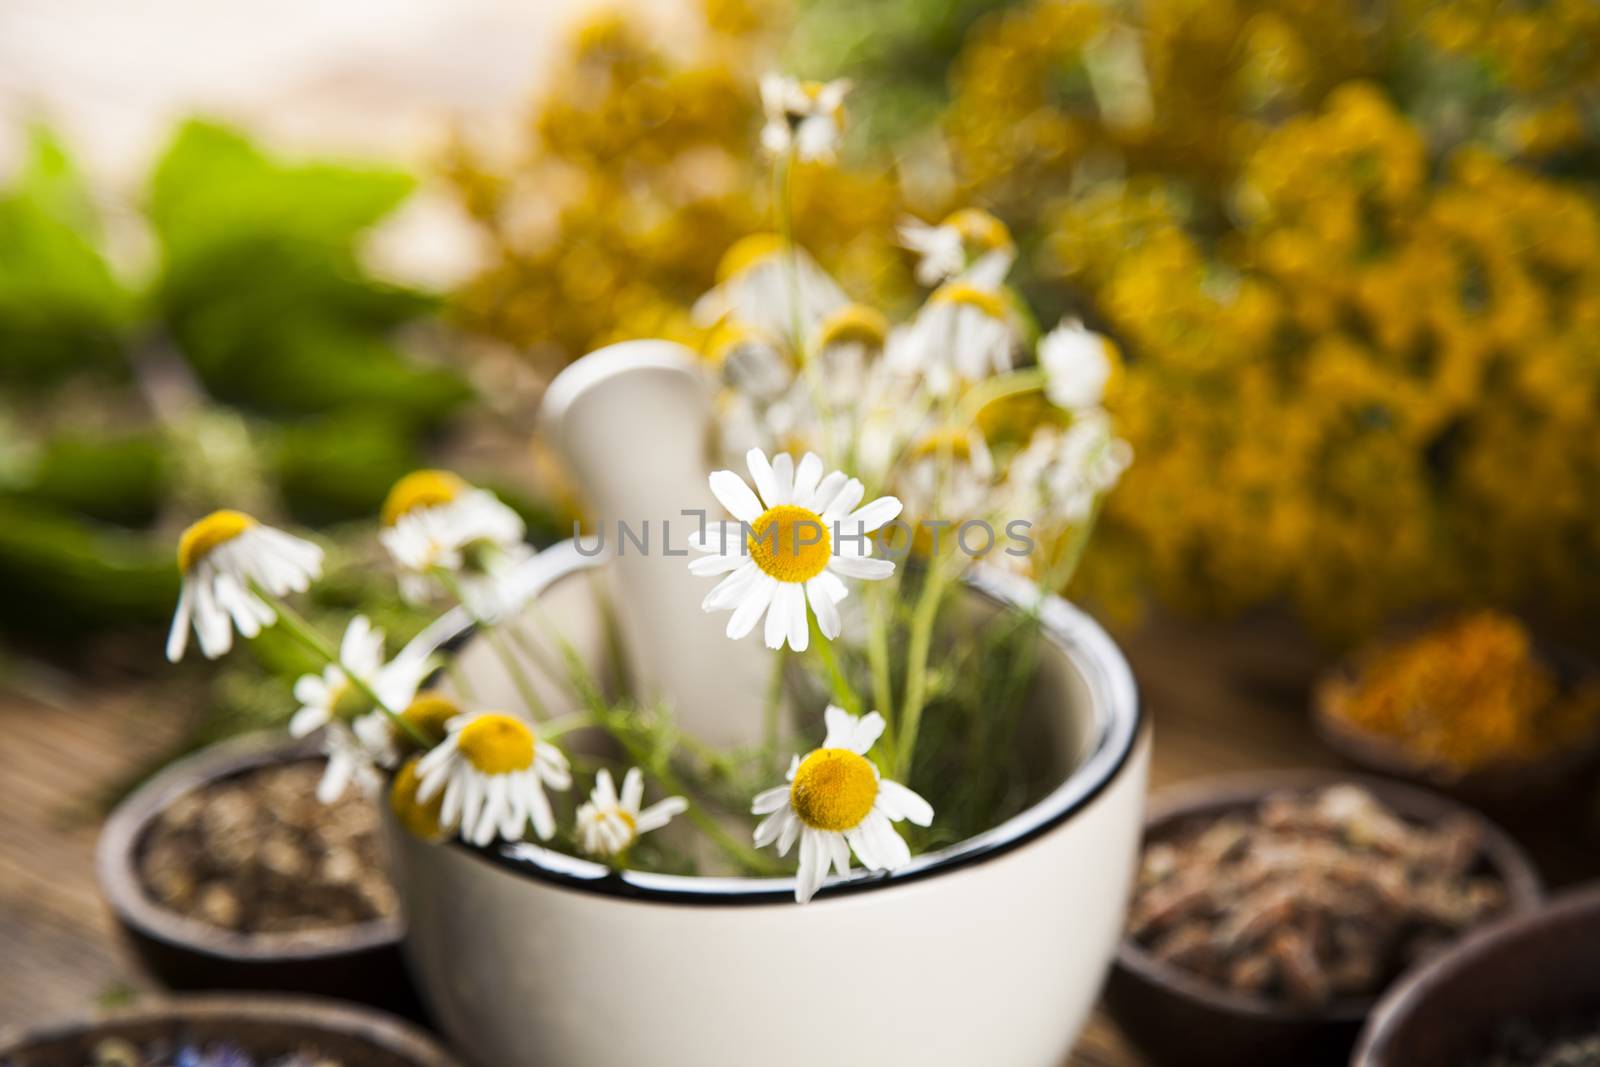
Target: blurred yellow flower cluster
634,174
1362,350
1348,260
1547,53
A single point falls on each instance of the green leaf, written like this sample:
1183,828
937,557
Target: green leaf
61,308
118,479
64,576
213,187
340,468
263,290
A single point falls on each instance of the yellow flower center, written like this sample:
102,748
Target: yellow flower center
420,489
833,789
497,744
812,91
201,539
730,337
854,322
955,443
746,253
421,820
790,543
349,701
981,228
429,713
985,300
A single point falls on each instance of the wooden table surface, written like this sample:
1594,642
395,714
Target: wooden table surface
1224,698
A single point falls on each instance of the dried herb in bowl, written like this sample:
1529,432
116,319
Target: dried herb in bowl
1309,897
1465,694
259,853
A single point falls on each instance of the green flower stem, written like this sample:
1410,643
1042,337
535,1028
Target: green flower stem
562,725
773,711
922,620
1001,387
878,657
507,656
740,853
600,713
302,631
783,211
843,692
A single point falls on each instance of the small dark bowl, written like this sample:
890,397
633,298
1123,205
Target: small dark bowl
267,1027
1541,967
1177,1017
360,961
1509,788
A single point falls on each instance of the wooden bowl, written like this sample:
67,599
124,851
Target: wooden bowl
1538,967
1509,787
1180,1018
269,1027
360,961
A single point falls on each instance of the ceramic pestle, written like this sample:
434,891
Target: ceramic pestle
632,423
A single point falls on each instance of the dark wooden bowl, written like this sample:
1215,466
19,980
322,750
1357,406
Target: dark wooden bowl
1544,966
1179,1018
361,961
268,1027
1510,788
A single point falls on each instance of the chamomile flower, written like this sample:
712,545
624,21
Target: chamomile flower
358,735
1060,474
948,471
755,287
751,363
492,772
350,759
970,243
803,116
962,334
791,546
609,824
419,819
220,558
434,521
836,803
846,344
1079,366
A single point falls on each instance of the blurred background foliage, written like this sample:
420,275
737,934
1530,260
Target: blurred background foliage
251,359
1351,254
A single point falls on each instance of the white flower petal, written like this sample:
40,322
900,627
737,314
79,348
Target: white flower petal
865,733
841,727
826,490
755,603
898,802
807,477
783,476
769,800
861,567
765,478
819,596
813,865
732,493
875,514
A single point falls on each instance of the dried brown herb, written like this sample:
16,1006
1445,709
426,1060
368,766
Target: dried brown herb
259,853
1309,898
